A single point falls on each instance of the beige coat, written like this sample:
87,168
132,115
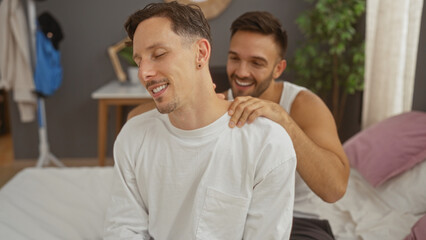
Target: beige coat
15,60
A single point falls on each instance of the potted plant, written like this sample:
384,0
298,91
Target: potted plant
126,53
132,70
330,61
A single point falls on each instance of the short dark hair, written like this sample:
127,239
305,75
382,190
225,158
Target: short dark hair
187,20
263,23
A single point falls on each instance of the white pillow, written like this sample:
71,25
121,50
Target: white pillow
406,192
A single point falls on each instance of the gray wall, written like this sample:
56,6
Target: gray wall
89,28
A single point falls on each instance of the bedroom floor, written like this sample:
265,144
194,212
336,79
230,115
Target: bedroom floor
9,167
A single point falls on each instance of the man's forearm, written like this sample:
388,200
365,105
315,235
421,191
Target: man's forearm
323,170
126,216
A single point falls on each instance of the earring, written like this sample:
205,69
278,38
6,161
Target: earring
199,65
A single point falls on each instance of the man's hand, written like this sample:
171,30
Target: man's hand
247,109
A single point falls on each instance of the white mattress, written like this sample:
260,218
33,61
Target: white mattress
70,203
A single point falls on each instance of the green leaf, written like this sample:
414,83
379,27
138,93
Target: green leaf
127,54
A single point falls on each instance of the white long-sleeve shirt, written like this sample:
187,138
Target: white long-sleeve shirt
210,183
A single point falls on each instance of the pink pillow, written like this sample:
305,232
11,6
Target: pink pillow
389,147
418,231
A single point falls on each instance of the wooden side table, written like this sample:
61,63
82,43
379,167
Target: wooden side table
117,94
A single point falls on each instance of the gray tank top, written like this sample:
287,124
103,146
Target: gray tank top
288,95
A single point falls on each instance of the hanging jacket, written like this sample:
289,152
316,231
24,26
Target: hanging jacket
48,71
15,62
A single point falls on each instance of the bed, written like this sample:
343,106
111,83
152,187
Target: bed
70,203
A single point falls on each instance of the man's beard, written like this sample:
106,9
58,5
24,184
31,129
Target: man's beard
170,107
259,89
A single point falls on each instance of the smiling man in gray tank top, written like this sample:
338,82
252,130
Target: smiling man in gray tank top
255,61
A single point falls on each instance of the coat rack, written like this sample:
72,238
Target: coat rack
45,156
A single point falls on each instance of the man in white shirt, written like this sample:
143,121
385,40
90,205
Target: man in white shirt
256,59
182,173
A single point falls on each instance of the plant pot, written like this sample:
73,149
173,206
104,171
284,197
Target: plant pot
132,75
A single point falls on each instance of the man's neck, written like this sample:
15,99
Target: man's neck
273,92
204,110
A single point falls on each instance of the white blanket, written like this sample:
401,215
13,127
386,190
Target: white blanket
362,214
70,203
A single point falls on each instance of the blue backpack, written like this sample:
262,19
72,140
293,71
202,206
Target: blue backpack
48,70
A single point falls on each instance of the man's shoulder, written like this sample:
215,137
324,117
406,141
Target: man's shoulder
273,143
146,116
266,123
141,122
307,105
142,108
269,128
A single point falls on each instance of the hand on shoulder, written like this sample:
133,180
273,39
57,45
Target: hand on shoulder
246,109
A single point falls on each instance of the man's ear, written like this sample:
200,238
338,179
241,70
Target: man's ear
279,68
203,53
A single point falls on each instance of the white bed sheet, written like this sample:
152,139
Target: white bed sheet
70,203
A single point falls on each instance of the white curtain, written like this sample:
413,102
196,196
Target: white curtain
392,37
